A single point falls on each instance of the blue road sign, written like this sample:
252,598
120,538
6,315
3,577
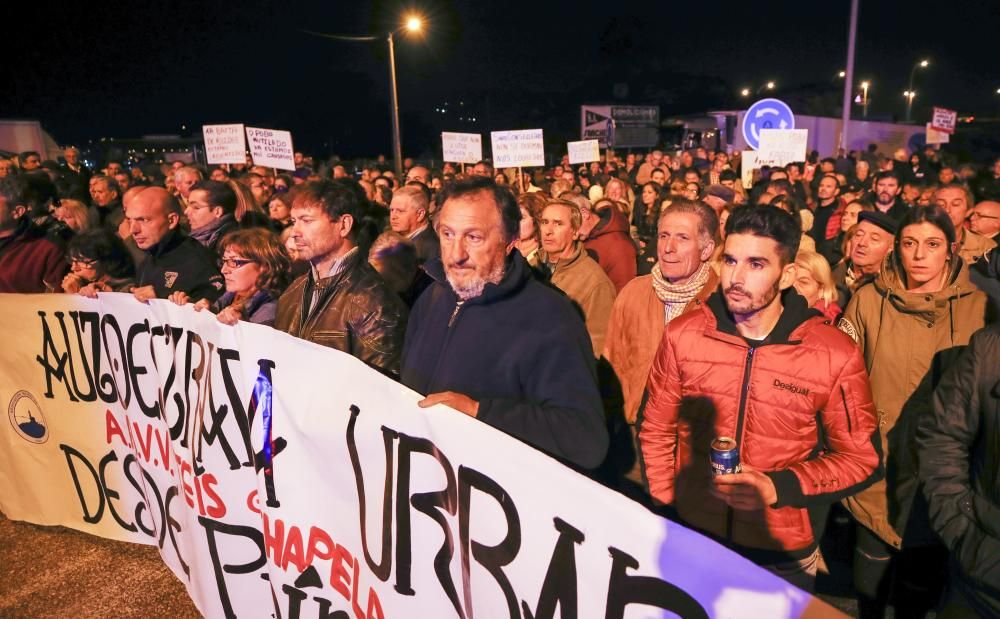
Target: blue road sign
766,114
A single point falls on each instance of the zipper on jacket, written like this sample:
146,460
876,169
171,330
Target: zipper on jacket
447,339
741,414
454,315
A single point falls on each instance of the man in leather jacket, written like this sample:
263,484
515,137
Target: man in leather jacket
342,302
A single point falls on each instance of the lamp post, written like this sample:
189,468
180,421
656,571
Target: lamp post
864,99
909,97
413,24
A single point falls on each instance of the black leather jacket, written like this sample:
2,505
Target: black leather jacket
355,312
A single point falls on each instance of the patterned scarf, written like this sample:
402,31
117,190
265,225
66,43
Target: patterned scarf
676,296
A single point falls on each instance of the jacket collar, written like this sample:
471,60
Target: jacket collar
171,240
516,274
890,285
795,312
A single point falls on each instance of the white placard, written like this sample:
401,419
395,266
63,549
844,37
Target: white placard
779,147
278,477
944,120
462,147
584,151
936,137
271,148
520,148
224,143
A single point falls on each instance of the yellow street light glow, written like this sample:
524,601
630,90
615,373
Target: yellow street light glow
864,84
924,63
842,74
746,92
414,23
770,85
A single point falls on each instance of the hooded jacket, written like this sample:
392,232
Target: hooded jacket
521,351
610,244
960,467
908,340
798,406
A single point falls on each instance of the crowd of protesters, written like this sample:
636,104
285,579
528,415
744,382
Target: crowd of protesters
833,319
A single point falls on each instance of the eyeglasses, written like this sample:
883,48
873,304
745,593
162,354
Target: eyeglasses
83,262
980,215
235,263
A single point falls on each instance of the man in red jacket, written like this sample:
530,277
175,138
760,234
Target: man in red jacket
757,365
29,262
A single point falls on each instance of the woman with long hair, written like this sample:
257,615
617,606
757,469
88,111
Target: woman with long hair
255,266
910,323
814,281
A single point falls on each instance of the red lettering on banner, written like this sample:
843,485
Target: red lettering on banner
217,509
163,444
253,503
112,429
145,447
339,578
358,612
374,605
293,552
274,539
186,472
318,536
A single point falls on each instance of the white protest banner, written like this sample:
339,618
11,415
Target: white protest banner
748,163
584,151
271,148
224,143
936,137
944,120
779,147
462,147
520,148
279,477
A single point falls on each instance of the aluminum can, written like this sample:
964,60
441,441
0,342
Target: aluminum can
725,456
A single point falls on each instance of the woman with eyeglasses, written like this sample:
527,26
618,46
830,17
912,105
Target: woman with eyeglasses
255,266
99,262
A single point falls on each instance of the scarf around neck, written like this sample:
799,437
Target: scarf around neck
676,296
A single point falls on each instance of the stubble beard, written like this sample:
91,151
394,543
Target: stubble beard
475,285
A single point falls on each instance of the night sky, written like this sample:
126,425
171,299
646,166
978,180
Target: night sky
128,69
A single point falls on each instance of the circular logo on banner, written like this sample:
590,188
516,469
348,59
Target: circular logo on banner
26,417
766,114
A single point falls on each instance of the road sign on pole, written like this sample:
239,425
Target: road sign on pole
766,114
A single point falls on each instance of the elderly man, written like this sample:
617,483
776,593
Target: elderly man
409,216
573,271
680,282
184,178
174,261
957,200
654,161
492,342
73,166
342,302
872,240
985,220
106,196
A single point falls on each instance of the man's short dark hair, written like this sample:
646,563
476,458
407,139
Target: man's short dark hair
829,160
14,190
728,175
28,153
337,198
798,165
769,222
510,214
884,174
219,194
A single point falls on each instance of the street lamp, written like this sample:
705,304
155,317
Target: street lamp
864,99
412,24
909,98
842,74
770,85
909,94
746,92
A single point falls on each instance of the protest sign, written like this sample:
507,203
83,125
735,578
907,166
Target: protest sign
224,144
271,148
278,477
462,147
748,163
521,148
944,120
779,147
936,137
584,151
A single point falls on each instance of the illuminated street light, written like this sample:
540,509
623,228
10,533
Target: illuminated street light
770,85
746,92
864,98
909,100
842,74
414,23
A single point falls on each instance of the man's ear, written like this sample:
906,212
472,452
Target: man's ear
346,225
173,219
788,274
19,211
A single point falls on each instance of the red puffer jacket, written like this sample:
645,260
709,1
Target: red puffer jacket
777,399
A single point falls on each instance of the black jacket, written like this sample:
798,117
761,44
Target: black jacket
521,351
427,245
179,262
960,467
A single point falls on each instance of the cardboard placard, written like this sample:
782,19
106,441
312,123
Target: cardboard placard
224,143
462,147
584,151
519,148
271,148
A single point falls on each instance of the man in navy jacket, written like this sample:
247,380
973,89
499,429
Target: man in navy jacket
490,341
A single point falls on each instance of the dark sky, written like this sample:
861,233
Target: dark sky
123,69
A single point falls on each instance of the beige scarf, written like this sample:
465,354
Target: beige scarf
676,296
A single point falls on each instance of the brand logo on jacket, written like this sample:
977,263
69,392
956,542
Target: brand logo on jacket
791,387
169,278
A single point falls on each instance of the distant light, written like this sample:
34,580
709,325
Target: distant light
746,92
924,63
414,24
770,85
864,84
842,74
